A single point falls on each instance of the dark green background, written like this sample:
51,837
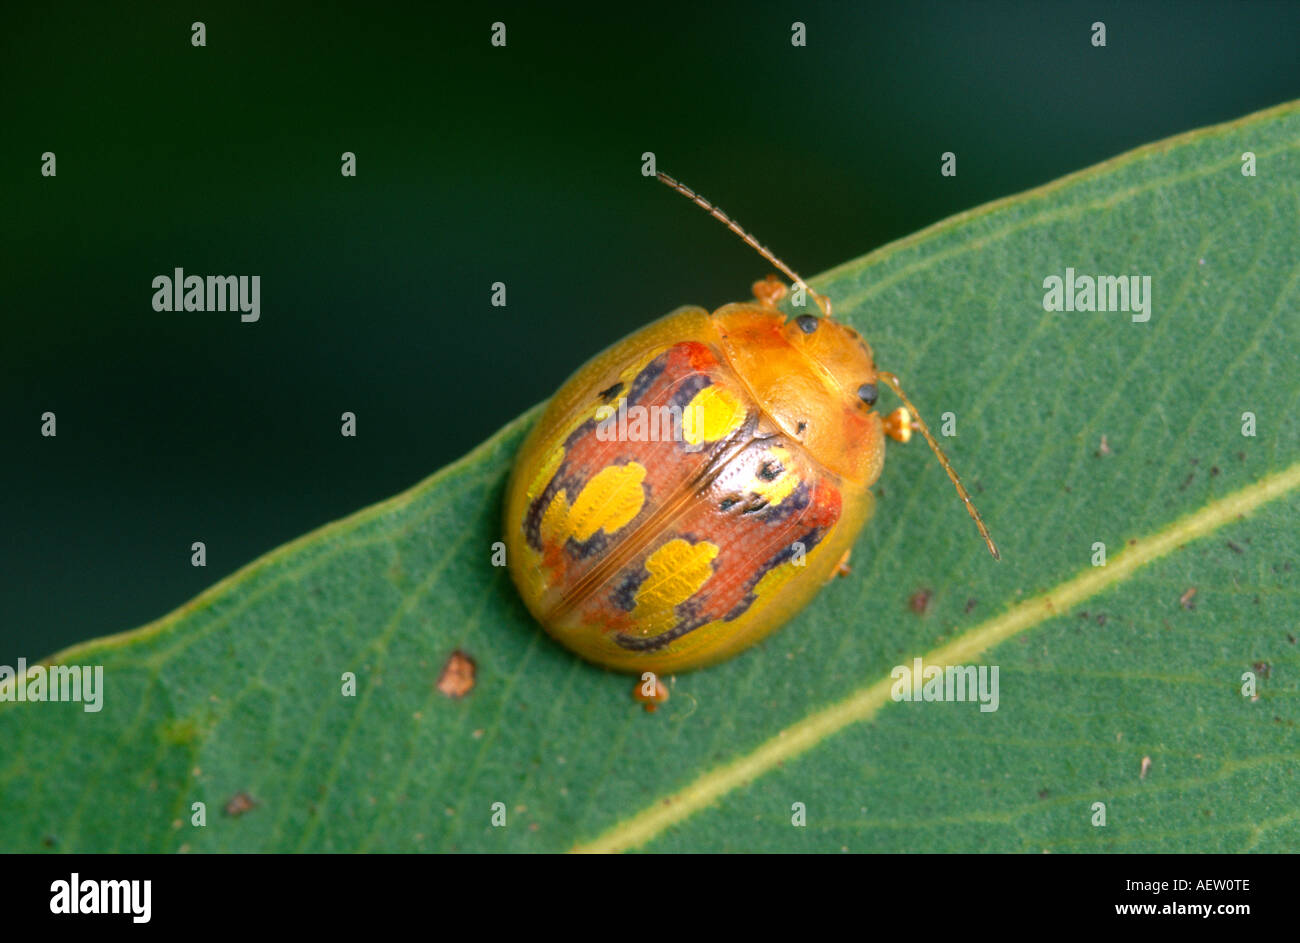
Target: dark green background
475,164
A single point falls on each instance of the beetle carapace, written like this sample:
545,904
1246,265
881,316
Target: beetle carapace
695,485
824,304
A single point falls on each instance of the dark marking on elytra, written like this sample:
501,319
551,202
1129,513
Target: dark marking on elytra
587,428
691,612
624,595
649,373
609,392
687,389
593,546
809,539
773,514
692,617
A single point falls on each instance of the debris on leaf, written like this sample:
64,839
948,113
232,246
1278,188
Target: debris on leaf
457,678
650,692
240,803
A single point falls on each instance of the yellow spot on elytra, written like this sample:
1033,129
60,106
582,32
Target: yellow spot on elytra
609,501
677,571
555,521
545,472
712,414
779,488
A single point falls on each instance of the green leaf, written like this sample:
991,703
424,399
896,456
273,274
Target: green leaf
1116,685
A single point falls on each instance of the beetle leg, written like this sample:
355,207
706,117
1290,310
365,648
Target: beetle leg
898,425
842,568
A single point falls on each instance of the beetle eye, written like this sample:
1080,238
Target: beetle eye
807,322
867,392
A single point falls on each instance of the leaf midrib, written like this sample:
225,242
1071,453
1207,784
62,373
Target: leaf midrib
864,703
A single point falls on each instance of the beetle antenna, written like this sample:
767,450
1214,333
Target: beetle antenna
822,301
892,382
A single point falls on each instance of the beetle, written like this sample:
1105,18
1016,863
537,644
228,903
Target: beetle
695,485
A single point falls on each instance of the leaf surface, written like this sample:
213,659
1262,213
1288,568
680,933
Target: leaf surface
1115,685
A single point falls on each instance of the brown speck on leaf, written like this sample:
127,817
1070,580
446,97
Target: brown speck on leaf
1241,456
1084,614
1185,600
1214,470
1132,542
1042,793
658,692
1187,481
1101,619
49,841
971,603
239,803
919,601
1104,449
1146,765
1233,547
1290,638
1263,669
457,678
